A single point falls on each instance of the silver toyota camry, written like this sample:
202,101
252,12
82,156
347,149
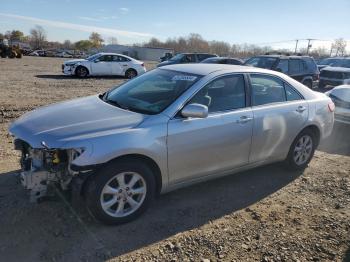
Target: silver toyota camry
171,127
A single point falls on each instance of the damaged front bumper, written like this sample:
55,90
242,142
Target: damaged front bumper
68,69
44,168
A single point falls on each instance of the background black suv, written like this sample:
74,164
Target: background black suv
186,58
301,68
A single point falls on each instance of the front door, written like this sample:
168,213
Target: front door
220,142
102,65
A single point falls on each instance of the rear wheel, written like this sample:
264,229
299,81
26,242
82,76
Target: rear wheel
130,73
120,192
81,71
301,150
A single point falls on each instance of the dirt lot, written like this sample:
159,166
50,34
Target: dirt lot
266,214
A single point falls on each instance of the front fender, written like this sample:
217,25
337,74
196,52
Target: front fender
147,141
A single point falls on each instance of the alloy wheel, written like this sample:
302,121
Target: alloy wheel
123,194
303,150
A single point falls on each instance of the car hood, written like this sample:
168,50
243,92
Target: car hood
168,62
321,66
337,69
72,120
73,61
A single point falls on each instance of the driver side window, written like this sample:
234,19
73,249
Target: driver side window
222,94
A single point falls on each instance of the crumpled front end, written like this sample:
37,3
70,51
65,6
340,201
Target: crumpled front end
43,169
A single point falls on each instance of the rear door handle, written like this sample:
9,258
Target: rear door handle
244,119
301,109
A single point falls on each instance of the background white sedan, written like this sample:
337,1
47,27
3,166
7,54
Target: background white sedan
104,64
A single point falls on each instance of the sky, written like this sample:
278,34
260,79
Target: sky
264,22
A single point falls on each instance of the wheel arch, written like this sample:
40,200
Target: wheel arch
316,130
131,69
82,66
137,158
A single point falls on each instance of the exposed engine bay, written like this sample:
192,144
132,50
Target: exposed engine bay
43,168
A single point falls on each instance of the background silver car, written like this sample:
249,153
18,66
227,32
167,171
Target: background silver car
166,129
341,98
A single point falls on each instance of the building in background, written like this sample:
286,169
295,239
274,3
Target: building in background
137,52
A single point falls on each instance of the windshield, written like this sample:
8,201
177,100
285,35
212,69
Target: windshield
92,57
177,57
262,62
152,92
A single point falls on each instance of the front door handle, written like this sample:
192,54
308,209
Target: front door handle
244,119
301,109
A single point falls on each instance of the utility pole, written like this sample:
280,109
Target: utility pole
296,46
308,45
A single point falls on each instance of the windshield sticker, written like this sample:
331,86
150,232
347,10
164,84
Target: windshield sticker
184,78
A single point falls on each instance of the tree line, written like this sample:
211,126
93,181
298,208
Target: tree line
37,39
195,43
191,43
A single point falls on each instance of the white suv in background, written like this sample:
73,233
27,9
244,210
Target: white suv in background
104,64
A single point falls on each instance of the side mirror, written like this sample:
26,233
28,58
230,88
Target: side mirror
96,60
195,110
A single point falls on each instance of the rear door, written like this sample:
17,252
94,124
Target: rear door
118,65
202,146
279,112
102,65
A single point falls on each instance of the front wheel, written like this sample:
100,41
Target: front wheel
301,150
120,192
81,72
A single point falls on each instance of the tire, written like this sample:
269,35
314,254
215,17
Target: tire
105,187
130,73
81,71
305,153
308,83
12,55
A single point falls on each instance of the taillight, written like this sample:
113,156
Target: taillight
331,107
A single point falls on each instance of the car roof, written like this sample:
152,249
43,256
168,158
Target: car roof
221,57
337,57
284,56
105,53
205,69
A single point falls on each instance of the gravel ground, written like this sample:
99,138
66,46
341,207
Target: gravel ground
266,214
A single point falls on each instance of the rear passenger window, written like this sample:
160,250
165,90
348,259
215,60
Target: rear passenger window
282,66
266,90
291,94
222,94
296,66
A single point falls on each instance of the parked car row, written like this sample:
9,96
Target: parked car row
55,53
